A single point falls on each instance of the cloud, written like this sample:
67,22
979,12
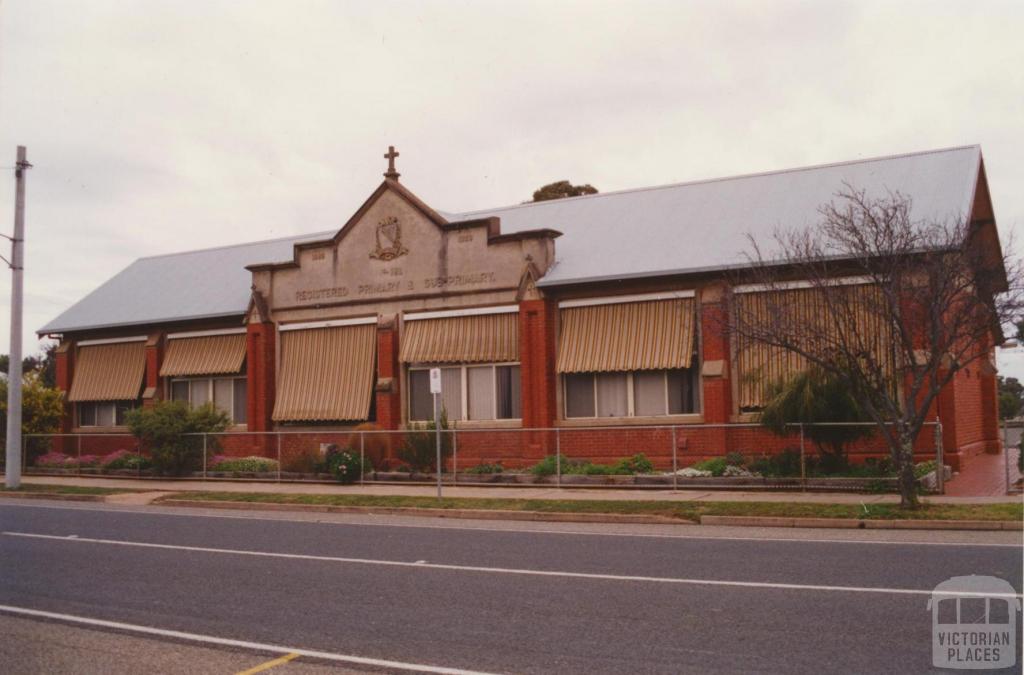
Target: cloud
164,126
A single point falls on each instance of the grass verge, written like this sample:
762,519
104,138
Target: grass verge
683,511
65,489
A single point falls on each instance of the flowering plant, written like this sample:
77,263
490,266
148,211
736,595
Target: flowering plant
344,464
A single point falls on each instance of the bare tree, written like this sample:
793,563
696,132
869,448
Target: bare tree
890,306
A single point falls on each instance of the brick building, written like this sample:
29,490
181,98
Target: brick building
575,314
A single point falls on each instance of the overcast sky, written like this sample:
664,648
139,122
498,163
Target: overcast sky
163,126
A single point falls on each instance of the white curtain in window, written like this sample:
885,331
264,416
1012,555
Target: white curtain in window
612,395
222,392
105,415
481,392
649,392
200,392
451,392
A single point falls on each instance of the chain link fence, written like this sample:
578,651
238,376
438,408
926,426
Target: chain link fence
628,456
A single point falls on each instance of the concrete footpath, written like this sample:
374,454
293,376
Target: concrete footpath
155,488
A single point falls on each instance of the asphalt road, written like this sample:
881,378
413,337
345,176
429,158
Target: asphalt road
530,599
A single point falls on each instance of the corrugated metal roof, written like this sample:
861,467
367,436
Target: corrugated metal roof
180,286
692,227
671,229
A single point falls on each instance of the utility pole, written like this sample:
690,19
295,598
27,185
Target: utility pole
12,475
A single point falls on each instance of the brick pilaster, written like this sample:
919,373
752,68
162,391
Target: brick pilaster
261,360
154,359
537,355
716,366
388,394
65,373
538,379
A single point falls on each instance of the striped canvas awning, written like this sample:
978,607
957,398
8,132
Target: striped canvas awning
492,338
110,372
759,366
205,355
652,335
326,374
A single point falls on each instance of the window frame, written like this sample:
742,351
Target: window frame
464,393
115,413
210,387
631,413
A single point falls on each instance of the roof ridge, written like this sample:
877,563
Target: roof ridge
703,181
239,245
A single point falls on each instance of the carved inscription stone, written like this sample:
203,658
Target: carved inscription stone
394,251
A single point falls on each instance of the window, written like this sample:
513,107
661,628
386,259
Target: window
104,413
473,392
644,393
228,394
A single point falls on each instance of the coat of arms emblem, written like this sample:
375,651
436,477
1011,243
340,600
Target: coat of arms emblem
389,240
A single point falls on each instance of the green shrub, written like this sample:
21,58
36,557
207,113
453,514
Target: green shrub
419,449
627,466
735,459
42,408
811,397
345,464
162,428
252,464
922,469
715,465
485,468
638,463
122,459
545,467
785,464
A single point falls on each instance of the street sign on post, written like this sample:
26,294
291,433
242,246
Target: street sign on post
435,389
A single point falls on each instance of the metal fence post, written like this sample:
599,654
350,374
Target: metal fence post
558,457
940,459
206,462
279,457
362,455
455,456
803,461
78,464
24,456
675,462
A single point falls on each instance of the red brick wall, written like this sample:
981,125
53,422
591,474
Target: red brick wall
967,406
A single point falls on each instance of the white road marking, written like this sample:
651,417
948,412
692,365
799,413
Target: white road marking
497,570
228,642
500,530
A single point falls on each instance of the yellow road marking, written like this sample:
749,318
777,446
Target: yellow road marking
269,664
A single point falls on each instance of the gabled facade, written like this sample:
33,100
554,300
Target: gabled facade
583,312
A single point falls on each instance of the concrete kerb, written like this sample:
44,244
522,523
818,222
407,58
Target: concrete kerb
167,499
857,523
489,514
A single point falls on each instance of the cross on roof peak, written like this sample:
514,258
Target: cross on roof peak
390,156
